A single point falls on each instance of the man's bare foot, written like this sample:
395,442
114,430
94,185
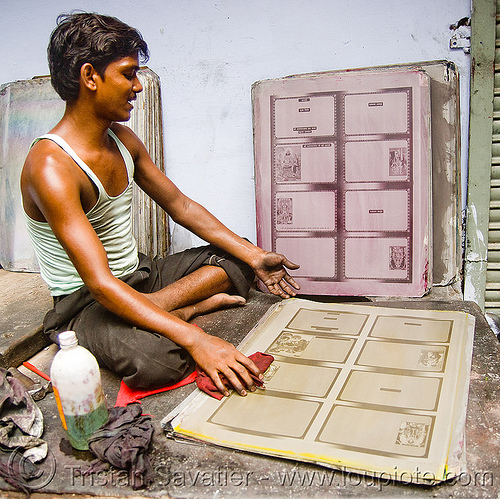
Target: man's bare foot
216,302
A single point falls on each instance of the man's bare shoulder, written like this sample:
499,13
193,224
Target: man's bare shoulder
48,174
46,158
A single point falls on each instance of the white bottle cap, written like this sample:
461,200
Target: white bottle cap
67,339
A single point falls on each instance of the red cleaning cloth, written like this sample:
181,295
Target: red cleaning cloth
205,383
128,395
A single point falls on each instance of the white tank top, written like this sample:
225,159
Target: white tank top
111,218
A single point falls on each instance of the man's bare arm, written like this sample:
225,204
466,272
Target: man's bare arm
270,268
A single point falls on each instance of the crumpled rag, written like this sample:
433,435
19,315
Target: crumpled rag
21,426
123,441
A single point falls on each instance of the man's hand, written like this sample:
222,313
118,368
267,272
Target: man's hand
270,268
216,356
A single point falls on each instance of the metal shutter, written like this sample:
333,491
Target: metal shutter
492,291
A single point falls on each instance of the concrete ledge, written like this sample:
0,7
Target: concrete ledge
24,301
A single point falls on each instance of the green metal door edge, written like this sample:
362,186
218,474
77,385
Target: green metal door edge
483,34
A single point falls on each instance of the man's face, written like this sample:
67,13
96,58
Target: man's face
119,88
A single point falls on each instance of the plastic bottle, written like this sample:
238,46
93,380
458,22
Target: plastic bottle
76,380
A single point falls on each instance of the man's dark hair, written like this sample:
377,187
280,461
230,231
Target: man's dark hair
81,38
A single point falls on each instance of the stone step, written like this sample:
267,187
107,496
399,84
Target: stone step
24,301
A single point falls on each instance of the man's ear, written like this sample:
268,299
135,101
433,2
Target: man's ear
88,76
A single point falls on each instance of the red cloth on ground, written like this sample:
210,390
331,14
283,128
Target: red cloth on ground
205,383
127,395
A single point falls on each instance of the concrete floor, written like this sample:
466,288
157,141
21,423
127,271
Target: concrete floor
186,470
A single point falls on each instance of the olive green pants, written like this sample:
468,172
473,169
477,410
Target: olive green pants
144,360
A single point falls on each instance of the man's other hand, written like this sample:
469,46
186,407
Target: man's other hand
271,269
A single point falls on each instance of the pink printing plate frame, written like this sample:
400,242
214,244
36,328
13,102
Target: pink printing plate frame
343,183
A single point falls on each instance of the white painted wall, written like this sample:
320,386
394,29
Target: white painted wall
209,52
